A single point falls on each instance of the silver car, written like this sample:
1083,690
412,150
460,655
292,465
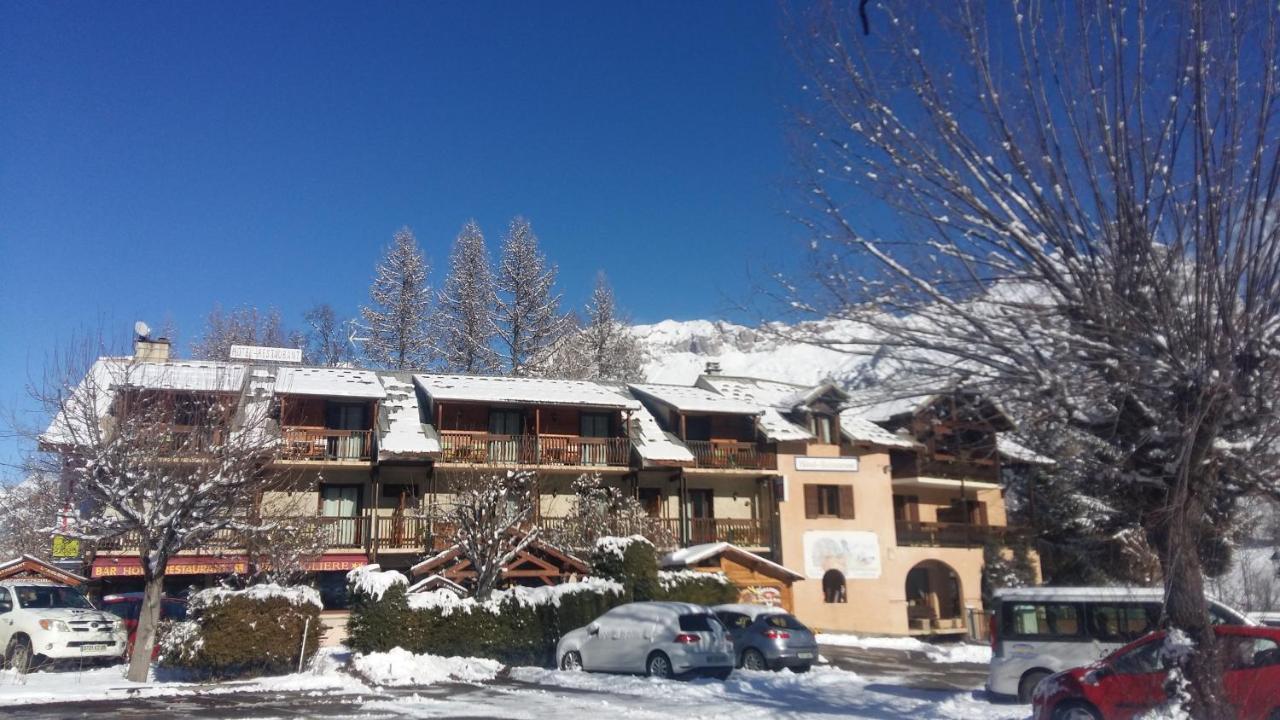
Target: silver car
661,639
768,638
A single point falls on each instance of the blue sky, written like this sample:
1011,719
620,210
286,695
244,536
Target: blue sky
160,158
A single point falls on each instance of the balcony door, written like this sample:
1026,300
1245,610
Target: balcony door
702,514
354,418
341,502
506,426
594,425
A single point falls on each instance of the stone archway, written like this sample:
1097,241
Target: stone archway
935,599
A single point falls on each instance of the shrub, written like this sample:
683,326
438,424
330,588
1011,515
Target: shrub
244,633
378,609
630,561
691,586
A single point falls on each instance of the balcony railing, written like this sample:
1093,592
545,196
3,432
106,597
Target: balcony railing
748,532
344,532
326,445
485,448
401,532
964,535
730,455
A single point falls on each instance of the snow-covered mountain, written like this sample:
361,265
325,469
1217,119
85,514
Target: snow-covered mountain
678,351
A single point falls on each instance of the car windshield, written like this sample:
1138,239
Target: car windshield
50,596
700,623
784,621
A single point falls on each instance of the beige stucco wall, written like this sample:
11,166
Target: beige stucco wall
875,605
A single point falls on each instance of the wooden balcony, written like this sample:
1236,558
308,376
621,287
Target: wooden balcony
402,532
547,450
730,455
322,445
958,535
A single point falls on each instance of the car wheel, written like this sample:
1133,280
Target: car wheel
1075,711
18,655
753,659
1027,687
571,661
659,666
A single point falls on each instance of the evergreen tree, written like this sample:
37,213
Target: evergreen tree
603,350
398,316
528,314
465,312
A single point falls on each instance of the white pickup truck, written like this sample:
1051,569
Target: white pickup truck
43,621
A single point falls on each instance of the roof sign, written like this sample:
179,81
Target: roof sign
270,354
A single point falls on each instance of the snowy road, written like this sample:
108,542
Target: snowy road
537,693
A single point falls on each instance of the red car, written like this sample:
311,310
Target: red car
1130,681
126,606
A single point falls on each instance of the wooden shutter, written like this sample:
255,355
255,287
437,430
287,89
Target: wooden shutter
846,502
811,501
913,508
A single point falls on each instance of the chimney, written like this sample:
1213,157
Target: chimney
712,368
147,350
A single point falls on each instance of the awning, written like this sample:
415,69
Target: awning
104,567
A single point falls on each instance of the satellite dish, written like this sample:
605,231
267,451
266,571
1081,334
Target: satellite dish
142,329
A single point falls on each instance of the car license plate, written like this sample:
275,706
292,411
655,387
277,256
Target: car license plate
717,658
95,647
805,656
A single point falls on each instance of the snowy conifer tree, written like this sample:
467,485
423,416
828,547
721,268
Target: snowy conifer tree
398,318
603,350
529,319
464,319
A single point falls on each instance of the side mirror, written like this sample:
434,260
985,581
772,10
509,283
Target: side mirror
593,629
1099,673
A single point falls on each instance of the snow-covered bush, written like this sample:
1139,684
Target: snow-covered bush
692,586
514,626
378,609
244,633
630,561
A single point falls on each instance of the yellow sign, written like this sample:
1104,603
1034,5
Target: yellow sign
65,547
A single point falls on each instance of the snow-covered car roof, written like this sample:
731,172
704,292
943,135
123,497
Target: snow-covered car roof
1077,594
750,610
329,382
523,391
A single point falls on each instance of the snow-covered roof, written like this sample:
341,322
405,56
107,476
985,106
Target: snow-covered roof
654,444
523,391
770,396
695,554
691,399
189,375
329,382
401,431
883,410
865,431
1012,450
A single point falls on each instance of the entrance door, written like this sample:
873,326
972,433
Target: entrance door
342,502
702,513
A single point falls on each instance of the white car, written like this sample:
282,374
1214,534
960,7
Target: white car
44,621
661,639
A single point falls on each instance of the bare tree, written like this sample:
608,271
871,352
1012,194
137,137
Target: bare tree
325,342
242,326
601,510
282,548
492,515
1082,213
28,513
166,471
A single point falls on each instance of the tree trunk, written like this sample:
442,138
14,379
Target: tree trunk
1188,610
148,619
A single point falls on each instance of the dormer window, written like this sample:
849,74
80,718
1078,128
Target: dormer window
822,427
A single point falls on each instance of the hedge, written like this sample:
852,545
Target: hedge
518,626
244,633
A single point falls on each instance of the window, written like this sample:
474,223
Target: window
6,602
1041,620
50,596
834,501
1145,658
1243,652
504,422
126,610
784,621
699,623
594,425
347,416
833,587
1121,622
734,621
393,491
820,426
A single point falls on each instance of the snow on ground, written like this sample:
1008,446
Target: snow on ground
106,683
399,667
957,653
820,693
